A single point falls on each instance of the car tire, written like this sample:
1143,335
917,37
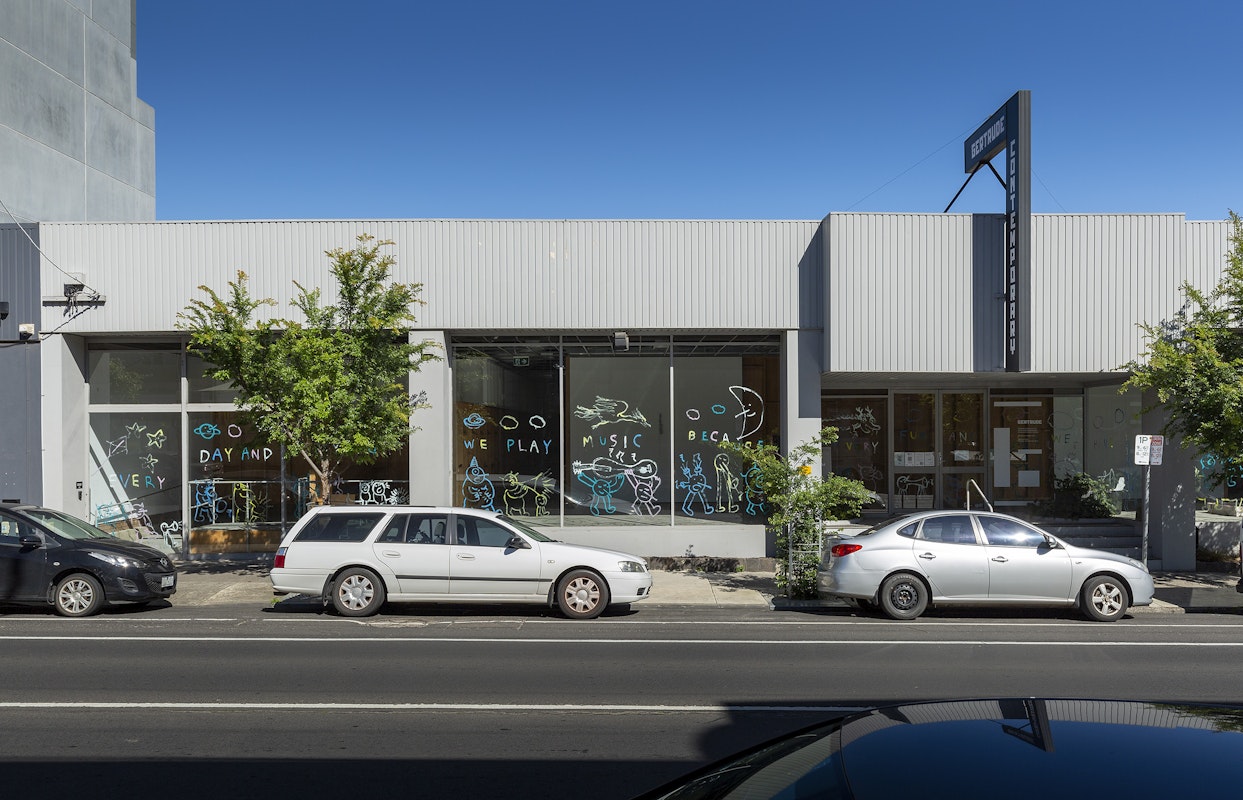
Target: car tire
1104,598
357,592
78,595
582,594
903,596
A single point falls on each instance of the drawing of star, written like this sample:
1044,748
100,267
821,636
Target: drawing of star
156,439
149,462
135,429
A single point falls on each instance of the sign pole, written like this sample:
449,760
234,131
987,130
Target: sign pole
1143,556
1148,451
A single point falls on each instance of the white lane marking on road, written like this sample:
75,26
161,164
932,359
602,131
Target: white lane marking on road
495,640
711,709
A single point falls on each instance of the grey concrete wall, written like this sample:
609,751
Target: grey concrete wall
76,143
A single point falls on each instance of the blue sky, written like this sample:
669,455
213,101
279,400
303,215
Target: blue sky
702,109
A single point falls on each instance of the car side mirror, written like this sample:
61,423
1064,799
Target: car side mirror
1050,543
29,541
518,543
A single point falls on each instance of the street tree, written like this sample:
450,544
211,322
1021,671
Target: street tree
1194,362
331,387
799,502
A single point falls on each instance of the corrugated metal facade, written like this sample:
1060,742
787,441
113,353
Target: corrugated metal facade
19,277
914,293
477,274
921,293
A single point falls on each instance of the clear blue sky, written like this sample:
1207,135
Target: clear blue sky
704,109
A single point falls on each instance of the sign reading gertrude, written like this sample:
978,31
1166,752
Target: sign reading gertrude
1009,128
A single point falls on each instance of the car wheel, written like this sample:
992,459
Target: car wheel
79,595
582,594
357,593
1104,599
903,596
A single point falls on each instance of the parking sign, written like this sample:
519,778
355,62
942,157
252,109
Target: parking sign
1148,450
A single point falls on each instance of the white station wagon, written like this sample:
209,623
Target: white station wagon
359,557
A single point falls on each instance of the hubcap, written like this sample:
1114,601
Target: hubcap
76,596
582,594
1107,598
356,592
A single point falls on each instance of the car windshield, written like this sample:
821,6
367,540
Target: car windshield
527,529
66,526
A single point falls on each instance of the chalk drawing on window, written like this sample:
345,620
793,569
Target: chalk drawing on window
603,476
727,485
534,489
474,421
696,485
606,411
477,489
752,491
643,478
752,414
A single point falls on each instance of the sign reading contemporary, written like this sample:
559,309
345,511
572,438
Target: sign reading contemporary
1009,129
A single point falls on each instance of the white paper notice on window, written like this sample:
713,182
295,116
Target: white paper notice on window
1029,478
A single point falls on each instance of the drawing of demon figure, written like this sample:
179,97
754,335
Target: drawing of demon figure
477,490
696,485
752,492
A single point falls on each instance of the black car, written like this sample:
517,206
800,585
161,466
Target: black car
1008,748
51,557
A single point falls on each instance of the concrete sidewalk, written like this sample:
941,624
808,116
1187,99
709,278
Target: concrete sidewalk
204,583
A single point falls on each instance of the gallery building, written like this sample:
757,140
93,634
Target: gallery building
591,367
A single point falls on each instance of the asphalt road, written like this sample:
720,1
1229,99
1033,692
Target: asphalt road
241,702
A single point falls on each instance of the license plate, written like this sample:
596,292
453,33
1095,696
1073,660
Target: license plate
168,581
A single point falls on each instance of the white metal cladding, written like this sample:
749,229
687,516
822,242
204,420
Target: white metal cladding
1097,277
913,293
476,274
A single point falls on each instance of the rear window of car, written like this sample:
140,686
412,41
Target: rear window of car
352,527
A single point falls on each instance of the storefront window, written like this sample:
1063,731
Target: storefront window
861,450
618,438
723,398
134,374
1112,423
135,480
507,425
203,388
1022,448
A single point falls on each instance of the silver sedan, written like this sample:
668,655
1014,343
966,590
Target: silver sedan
943,558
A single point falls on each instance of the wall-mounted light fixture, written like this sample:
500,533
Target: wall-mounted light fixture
621,342
26,330
4,309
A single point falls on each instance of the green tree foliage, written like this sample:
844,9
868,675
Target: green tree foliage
799,503
1194,362
331,387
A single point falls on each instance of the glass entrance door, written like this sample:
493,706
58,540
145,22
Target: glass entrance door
938,447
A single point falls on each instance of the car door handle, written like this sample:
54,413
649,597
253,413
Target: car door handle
391,554
928,556
466,556
1000,559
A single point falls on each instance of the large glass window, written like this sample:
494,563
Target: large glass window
135,481
620,431
618,437
861,450
507,427
134,374
722,398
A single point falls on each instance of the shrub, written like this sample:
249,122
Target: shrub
1079,496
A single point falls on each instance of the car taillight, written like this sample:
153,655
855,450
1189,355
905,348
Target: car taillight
279,561
839,550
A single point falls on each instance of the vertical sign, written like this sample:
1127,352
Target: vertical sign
1148,450
1009,129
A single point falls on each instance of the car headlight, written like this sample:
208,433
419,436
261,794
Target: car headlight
1138,565
631,566
116,560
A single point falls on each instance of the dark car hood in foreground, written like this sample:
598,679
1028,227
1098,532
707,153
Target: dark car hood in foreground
1023,748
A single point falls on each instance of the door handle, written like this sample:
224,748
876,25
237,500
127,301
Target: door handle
1000,559
391,554
466,556
928,556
